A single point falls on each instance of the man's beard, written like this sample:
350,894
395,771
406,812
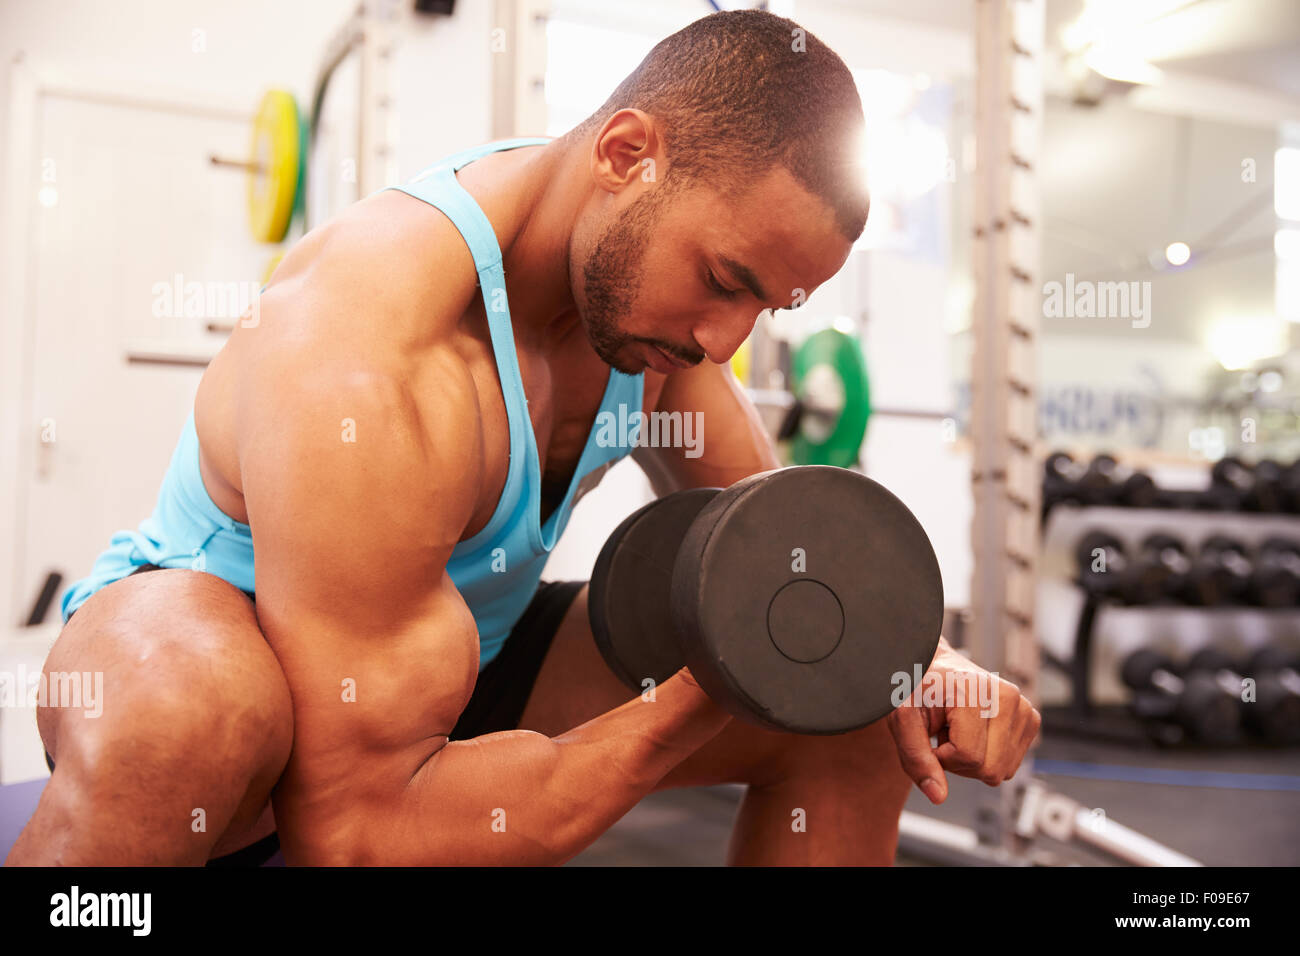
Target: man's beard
612,279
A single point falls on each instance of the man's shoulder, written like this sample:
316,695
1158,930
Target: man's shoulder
384,256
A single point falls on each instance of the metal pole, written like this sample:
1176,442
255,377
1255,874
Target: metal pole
1004,475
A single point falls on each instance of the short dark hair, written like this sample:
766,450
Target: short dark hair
744,90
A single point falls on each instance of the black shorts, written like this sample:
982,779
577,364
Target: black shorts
499,696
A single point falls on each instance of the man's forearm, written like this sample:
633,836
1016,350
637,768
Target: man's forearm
518,797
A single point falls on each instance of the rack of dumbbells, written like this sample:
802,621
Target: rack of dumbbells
1245,559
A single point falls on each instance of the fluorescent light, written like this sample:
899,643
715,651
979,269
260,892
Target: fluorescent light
1239,343
1106,21
1121,65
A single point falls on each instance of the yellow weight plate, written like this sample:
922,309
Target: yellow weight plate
740,362
271,265
273,180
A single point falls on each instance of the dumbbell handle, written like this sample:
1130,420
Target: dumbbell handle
1287,676
1287,560
779,398
1167,681
1227,678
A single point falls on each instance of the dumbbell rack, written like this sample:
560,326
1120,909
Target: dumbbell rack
1081,715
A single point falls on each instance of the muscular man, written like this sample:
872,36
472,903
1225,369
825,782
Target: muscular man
403,442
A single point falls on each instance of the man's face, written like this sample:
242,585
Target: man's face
679,277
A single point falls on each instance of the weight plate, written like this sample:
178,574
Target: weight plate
740,361
273,181
627,598
798,596
300,188
831,380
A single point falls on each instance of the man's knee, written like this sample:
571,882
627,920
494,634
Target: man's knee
868,757
175,673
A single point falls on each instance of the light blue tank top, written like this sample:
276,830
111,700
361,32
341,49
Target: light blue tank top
497,570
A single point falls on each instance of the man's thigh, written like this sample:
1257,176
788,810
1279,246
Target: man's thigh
178,654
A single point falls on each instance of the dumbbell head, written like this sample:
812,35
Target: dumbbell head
799,594
1275,713
1275,716
1160,541
1102,562
1139,667
1272,712
1058,464
1273,657
1220,574
1289,486
1096,478
1276,578
628,596
1209,712
1139,490
1210,704
1232,473
1196,699
1282,550
1217,544
1210,659
1059,475
1266,493
1164,565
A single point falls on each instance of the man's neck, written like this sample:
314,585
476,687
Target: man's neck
532,199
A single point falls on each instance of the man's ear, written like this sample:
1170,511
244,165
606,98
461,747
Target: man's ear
626,150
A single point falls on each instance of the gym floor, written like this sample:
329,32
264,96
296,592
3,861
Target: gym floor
1196,802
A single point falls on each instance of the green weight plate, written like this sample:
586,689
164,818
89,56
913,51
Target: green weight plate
831,379
300,192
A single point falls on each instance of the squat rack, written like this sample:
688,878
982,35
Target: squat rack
1005,482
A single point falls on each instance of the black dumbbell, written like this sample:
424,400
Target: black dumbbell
1061,474
1278,666
1266,492
1289,487
1275,575
1272,711
1103,564
1115,485
628,622
1220,573
795,597
1205,709
1236,487
1274,659
1158,572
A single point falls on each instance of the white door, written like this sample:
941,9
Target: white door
126,201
